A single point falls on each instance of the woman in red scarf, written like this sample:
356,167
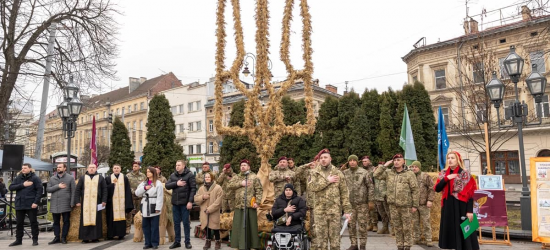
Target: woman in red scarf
457,204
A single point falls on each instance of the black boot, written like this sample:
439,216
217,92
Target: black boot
35,242
16,243
54,241
175,245
63,240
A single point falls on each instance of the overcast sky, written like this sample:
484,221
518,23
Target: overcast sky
357,41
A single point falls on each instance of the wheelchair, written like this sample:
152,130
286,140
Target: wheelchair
288,238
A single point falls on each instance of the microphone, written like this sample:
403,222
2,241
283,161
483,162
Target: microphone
247,172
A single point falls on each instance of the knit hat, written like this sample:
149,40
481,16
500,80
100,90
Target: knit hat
416,163
353,157
288,185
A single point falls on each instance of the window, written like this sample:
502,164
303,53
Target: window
129,108
199,126
544,153
134,146
128,125
445,112
135,107
190,126
182,128
181,109
478,73
503,162
543,108
140,124
211,125
415,78
104,114
117,112
440,81
123,110
537,57
141,106
190,149
211,147
199,151
140,146
198,105
134,125
190,107
481,112
174,109
507,104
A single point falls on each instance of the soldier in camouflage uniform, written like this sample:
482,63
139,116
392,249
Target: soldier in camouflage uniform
402,188
281,175
373,214
381,202
361,196
135,178
253,191
303,174
426,197
331,197
159,173
228,195
199,179
291,164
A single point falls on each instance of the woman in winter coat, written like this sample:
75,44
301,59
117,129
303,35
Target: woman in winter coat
291,204
209,198
152,192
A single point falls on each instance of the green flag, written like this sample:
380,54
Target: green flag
406,140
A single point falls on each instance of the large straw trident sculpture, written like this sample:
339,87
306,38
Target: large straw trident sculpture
264,126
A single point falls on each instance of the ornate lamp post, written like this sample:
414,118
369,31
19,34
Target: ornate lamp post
69,110
536,83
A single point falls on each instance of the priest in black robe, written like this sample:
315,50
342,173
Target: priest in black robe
119,203
91,191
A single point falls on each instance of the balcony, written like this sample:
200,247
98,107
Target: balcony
181,136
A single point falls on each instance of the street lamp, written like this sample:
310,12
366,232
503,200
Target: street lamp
536,83
246,72
69,110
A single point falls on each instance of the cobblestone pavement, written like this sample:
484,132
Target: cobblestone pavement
375,241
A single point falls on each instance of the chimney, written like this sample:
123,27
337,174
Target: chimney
526,13
142,79
134,84
331,88
466,27
316,82
473,26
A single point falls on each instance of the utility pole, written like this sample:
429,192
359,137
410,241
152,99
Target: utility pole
45,89
346,86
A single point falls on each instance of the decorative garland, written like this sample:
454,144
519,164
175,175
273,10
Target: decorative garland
264,127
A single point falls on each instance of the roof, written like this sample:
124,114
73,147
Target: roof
298,86
487,32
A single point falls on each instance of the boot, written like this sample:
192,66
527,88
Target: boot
384,229
430,244
406,248
375,227
54,241
207,245
399,248
16,243
218,245
363,248
353,247
369,228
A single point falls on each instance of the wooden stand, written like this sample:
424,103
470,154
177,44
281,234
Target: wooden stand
494,241
545,246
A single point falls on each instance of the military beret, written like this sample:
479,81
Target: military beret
397,156
206,163
245,161
282,158
227,166
365,157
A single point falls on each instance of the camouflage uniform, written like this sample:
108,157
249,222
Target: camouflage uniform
277,177
373,213
422,215
402,191
303,174
162,179
199,179
330,200
255,190
228,195
361,194
135,179
382,203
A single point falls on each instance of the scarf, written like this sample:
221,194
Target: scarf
462,187
207,185
119,202
90,199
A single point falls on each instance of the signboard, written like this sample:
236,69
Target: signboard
490,208
540,198
64,160
195,159
490,182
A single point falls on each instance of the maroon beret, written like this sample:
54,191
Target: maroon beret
245,161
282,158
397,156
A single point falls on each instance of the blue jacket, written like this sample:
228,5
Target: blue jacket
26,196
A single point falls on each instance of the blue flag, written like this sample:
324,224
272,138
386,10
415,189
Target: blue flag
442,140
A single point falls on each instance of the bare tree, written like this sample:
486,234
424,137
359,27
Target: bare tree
85,44
103,152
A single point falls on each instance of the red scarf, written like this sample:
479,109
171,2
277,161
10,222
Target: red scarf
462,186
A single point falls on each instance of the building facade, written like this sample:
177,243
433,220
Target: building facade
130,104
296,92
455,73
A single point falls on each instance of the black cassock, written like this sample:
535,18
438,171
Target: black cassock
91,232
117,228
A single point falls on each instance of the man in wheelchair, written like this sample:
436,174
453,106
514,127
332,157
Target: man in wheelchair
289,210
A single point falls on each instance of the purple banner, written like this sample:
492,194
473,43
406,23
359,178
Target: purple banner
490,207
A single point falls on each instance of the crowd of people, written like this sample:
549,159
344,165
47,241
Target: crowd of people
401,196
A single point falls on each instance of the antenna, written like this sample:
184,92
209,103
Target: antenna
346,86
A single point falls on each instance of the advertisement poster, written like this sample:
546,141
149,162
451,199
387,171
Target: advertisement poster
540,198
490,208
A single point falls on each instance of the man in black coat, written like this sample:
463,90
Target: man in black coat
182,182
28,192
292,205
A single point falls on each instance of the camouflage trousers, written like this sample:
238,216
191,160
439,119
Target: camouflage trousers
384,210
422,218
359,222
373,216
401,223
312,237
327,231
227,205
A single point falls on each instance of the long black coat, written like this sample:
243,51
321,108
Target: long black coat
117,228
282,202
26,196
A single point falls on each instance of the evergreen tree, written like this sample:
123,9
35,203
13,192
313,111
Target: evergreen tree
388,142
292,146
328,133
429,131
360,144
371,107
347,106
121,147
161,148
236,148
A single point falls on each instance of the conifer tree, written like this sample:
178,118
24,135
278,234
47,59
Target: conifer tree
388,143
347,106
161,148
360,144
429,131
329,133
121,147
371,107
